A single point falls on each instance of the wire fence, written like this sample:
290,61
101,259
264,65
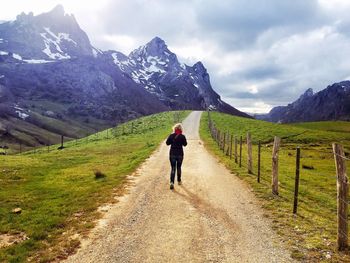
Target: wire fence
59,142
286,184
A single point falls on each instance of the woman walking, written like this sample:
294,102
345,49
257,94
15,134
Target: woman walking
176,155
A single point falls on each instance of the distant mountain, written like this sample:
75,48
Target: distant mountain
49,36
332,103
177,85
51,74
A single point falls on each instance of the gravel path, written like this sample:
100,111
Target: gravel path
212,217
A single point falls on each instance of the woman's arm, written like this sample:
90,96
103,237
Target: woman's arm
184,143
169,140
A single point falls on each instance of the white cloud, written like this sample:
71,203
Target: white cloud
122,43
253,89
254,106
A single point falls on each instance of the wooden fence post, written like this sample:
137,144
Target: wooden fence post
250,154
342,196
276,146
236,155
259,160
223,144
240,152
296,186
219,138
62,139
231,146
228,144
215,133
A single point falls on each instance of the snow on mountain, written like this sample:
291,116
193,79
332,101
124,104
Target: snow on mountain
51,40
50,36
158,71
19,58
147,64
151,70
37,61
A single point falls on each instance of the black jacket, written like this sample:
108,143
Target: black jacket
176,142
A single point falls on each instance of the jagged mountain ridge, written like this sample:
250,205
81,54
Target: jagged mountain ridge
178,85
49,70
72,88
47,37
332,103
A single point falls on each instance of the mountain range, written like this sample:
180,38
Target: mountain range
53,81
332,103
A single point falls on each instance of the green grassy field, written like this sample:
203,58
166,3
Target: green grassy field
57,189
311,235
335,126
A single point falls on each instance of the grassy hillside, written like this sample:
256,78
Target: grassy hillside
46,123
57,189
311,235
335,126
39,129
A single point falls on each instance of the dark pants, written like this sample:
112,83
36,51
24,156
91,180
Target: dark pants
176,162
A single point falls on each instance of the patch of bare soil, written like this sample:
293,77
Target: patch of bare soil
7,240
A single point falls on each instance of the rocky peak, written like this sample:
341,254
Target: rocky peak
157,45
54,35
57,11
344,85
331,103
156,49
308,93
24,18
199,68
57,17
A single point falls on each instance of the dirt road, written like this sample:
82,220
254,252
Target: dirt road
212,217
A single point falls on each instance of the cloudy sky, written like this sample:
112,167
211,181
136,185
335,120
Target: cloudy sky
259,53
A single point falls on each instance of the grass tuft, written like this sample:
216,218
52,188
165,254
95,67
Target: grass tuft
308,167
99,174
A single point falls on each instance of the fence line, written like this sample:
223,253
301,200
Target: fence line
342,179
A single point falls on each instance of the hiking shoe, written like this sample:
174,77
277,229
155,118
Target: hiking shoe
172,186
179,183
